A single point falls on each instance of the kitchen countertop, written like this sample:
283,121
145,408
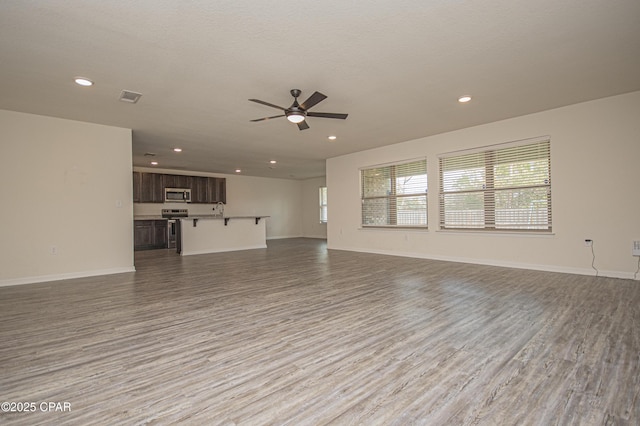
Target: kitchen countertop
198,216
213,216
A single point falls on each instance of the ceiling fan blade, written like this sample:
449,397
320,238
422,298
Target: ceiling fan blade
303,125
313,99
267,104
327,115
267,118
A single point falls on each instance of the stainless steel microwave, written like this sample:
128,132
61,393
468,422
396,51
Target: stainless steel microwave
177,195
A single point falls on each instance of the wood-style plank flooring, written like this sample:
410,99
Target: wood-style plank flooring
296,334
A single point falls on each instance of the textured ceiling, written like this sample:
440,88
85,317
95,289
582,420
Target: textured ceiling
397,68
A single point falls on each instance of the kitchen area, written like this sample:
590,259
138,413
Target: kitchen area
185,214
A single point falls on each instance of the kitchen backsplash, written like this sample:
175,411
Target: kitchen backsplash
155,209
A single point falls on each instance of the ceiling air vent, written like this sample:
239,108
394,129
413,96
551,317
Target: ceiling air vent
149,154
128,96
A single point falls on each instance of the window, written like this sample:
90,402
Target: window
504,187
323,204
395,195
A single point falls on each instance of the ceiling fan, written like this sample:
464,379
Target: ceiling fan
297,113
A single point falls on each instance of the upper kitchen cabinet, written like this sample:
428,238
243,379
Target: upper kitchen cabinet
178,181
208,190
137,186
199,190
217,190
148,188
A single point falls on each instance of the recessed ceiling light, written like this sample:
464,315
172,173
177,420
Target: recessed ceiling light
463,99
177,149
273,161
83,81
154,163
332,138
238,170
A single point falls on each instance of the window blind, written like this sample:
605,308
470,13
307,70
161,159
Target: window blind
323,204
500,188
395,195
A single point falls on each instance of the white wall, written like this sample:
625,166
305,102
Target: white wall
281,199
66,191
311,208
595,161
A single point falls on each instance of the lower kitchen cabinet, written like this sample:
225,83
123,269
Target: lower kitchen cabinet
149,234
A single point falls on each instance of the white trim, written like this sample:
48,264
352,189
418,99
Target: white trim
394,163
282,237
393,228
489,262
498,233
67,276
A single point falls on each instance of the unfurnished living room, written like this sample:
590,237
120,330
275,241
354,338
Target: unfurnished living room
308,213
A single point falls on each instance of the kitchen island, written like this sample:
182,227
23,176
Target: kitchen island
214,233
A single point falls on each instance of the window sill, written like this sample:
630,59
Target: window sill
498,233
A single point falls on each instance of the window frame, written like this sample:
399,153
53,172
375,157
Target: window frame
323,202
488,163
394,196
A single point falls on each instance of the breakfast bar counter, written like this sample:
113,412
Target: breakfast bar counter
214,233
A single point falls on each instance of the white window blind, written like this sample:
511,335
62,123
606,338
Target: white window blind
395,195
323,204
499,188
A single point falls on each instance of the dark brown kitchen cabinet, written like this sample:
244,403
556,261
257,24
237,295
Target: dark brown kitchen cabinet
137,186
178,181
217,190
149,234
199,193
208,190
151,188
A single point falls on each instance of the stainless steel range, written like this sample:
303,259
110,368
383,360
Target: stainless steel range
172,231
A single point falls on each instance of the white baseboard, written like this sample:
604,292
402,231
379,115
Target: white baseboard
66,276
282,237
504,264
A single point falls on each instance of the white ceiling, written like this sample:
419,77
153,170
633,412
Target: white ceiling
396,67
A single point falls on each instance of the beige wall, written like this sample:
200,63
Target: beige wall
311,208
595,156
66,191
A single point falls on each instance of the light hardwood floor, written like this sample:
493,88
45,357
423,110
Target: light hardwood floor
298,335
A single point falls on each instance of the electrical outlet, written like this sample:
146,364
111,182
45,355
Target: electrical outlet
588,242
53,250
635,251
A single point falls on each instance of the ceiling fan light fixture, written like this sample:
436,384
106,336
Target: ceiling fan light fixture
295,117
